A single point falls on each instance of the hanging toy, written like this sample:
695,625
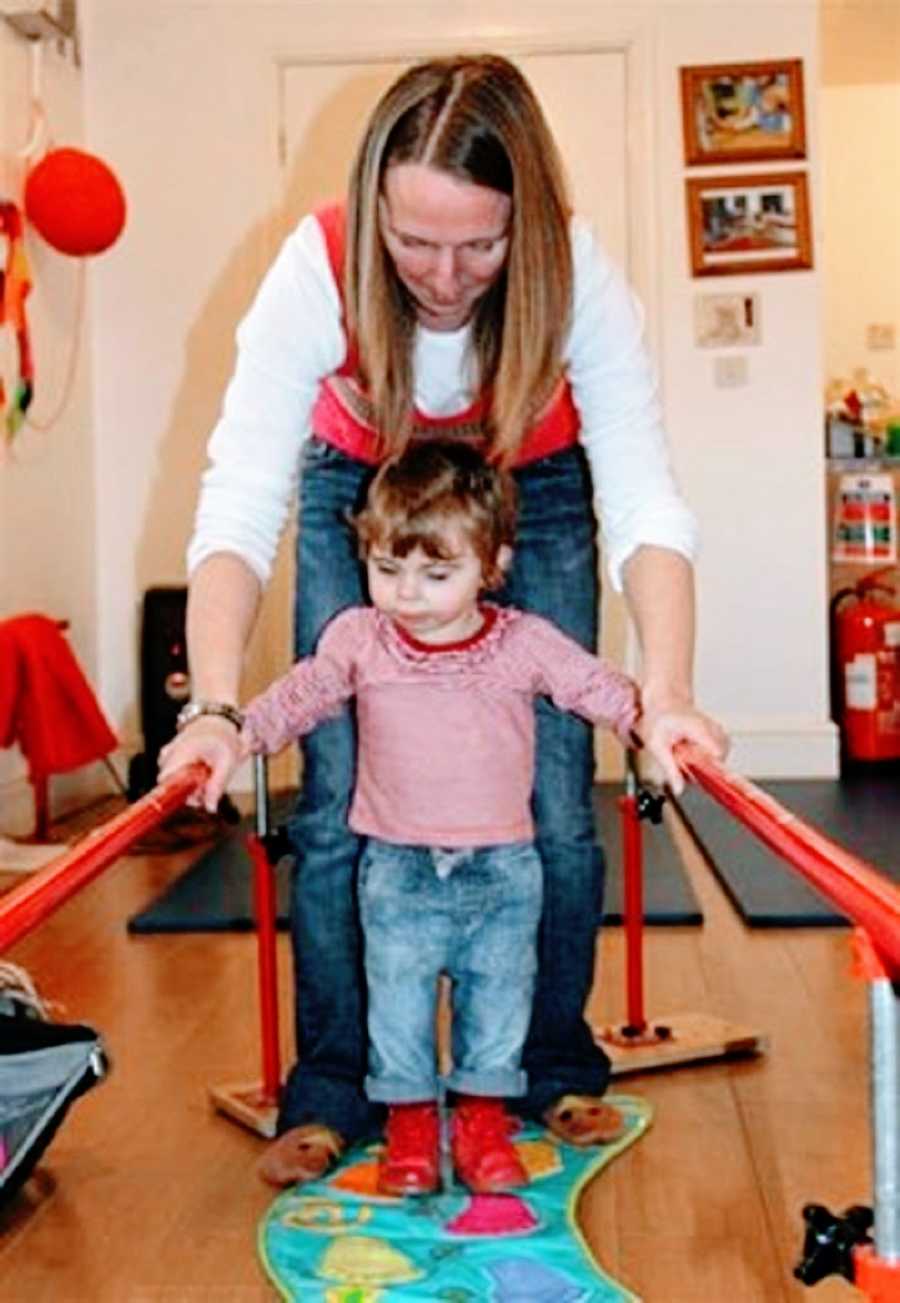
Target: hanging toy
15,286
75,202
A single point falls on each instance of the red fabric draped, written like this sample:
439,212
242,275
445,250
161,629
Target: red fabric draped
47,705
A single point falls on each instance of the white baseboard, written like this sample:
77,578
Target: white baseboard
66,792
776,747
784,747
16,808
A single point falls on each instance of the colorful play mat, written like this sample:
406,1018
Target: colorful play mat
338,1241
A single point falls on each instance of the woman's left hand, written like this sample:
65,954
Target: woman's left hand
665,724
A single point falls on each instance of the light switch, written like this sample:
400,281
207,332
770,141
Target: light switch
880,335
730,371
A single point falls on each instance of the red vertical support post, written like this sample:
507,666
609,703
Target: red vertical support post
633,876
256,1105
267,958
267,961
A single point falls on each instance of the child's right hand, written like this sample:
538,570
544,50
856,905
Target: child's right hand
218,744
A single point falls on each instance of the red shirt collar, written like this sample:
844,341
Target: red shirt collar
488,615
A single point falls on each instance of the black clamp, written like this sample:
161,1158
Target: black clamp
830,1241
649,804
275,841
277,845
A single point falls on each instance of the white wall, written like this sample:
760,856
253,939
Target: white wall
181,97
751,458
861,226
48,560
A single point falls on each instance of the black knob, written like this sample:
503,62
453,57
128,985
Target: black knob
830,1240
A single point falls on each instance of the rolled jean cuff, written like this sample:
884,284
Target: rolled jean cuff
401,1090
505,1083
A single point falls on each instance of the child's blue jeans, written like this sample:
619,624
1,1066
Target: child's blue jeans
472,914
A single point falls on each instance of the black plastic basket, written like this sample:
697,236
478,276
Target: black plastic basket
44,1067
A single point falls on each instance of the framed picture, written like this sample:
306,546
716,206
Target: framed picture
726,320
743,112
749,223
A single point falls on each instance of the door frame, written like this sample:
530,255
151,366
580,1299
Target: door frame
634,44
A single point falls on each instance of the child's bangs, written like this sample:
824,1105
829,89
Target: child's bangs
397,526
432,532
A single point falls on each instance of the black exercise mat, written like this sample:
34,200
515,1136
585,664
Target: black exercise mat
215,894
860,811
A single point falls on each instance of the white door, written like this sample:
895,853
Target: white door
323,108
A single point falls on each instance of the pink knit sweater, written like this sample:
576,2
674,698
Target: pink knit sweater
446,733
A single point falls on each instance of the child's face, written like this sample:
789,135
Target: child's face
432,599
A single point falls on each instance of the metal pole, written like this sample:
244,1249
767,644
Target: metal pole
884,1039
261,795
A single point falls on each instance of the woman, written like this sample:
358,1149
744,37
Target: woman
453,294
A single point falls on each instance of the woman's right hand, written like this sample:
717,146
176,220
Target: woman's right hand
218,744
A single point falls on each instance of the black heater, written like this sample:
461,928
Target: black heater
165,684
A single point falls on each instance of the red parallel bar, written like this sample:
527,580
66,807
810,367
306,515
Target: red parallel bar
633,875
26,906
850,884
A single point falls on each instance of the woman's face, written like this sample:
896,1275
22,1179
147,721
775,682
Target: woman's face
448,240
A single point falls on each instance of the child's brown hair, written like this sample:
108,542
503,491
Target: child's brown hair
433,485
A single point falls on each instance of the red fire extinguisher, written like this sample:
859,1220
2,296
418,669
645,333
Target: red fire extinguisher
866,649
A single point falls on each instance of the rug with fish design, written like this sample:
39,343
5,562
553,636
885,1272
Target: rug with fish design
337,1240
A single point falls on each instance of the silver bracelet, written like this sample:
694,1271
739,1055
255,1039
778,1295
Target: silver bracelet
194,709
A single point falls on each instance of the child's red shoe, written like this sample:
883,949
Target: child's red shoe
484,1157
411,1163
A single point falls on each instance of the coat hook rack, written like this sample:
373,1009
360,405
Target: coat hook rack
35,23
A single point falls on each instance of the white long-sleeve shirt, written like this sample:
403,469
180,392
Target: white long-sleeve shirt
292,337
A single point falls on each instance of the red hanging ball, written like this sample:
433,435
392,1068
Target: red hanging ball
75,202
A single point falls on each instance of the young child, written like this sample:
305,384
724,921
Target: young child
450,880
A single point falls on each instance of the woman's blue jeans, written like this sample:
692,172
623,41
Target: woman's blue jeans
554,573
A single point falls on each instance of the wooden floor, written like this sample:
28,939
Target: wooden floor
147,1196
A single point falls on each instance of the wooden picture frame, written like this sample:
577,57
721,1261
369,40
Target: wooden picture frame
746,223
743,112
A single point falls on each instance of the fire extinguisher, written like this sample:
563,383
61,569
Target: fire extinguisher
866,685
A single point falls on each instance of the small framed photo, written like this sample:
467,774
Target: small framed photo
749,223
726,320
743,112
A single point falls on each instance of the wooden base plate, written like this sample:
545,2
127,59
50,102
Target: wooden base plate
246,1103
693,1037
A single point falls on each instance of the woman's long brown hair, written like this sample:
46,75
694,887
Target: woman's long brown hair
476,118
